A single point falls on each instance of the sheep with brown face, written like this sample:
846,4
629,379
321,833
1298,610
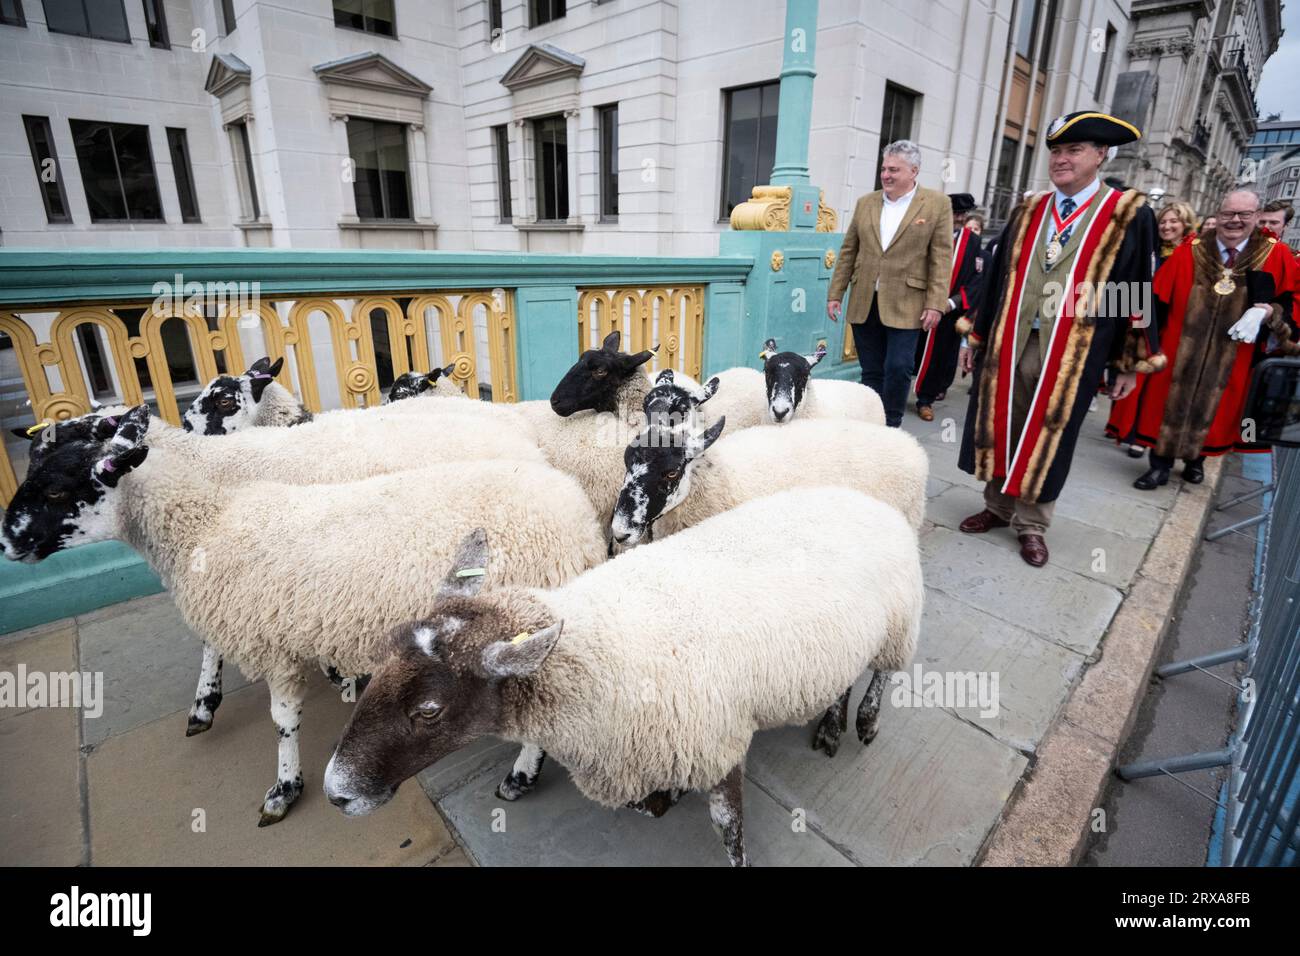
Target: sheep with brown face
778,605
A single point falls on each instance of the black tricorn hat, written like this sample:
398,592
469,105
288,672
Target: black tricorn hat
961,202
1089,127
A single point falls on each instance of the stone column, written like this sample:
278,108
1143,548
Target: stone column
417,156
573,155
339,133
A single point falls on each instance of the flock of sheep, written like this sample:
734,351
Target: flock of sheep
634,576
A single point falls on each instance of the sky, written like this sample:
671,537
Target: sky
1279,87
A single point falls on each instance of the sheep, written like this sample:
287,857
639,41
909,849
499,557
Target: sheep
791,390
229,403
413,384
775,606
668,486
280,577
331,448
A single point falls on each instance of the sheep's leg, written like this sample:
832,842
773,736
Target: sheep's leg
657,803
523,776
832,725
208,696
726,813
286,711
869,709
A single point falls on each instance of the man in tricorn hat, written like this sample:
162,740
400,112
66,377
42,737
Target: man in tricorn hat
1065,303
936,350
1225,301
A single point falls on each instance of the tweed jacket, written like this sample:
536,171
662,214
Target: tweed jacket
910,276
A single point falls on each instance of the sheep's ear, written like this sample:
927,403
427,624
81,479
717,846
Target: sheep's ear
665,377
278,364
710,389
818,355
521,655
110,469
24,433
631,362
465,579
697,444
611,342
446,372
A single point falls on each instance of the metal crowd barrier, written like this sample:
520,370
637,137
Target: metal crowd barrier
1261,801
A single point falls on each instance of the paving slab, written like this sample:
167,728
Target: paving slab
555,825
47,650
224,773
927,791
150,661
1065,607
1033,675
40,789
1106,555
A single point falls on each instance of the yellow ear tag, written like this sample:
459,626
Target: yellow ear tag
520,637
471,572
39,426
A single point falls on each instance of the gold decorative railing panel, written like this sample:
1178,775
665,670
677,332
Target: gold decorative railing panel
134,352
670,317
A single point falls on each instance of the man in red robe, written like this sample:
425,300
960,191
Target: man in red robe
1226,302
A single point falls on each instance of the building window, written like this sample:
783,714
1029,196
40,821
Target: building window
544,11
242,152
226,12
184,172
608,162
155,22
117,171
1288,189
41,140
896,121
382,178
551,142
501,146
372,16
749,147
11,12
100,19
1104,68
494,18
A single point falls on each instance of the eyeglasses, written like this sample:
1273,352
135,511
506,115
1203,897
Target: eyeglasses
1224,216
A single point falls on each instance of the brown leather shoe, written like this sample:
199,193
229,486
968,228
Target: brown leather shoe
926,413
1033,549
984,521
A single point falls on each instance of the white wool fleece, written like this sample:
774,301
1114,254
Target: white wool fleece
277,577
835,398
885,463
775,607
343,447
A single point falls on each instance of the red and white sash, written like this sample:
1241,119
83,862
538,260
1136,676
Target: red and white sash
1012,453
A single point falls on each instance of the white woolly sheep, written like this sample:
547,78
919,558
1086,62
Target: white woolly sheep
776,606
669,486
231,402
281,578
791,390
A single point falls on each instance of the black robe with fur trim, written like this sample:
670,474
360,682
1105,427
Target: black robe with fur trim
936,351
1125,253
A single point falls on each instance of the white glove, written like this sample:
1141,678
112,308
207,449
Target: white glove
1246,329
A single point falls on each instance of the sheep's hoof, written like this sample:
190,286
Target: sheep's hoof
278,800
827,738
197,725
515,785
867,732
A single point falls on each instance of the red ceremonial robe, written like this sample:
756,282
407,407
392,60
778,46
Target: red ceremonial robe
1195,407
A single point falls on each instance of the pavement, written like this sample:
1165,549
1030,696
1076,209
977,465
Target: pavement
1162,821
127,787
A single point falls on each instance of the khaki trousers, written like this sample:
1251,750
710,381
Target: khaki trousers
1025,518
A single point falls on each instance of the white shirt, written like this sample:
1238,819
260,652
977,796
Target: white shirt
1223,250
891,216
1081,197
